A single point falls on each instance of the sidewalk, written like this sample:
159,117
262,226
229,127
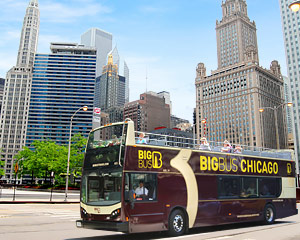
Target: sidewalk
36,196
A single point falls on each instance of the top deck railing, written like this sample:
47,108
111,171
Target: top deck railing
183,142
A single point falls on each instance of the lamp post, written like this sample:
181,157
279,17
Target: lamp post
204,121
84,108
295,6
275,108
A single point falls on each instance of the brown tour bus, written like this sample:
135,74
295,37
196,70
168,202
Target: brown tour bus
157,184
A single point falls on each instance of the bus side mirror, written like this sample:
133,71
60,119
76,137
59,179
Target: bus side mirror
132,197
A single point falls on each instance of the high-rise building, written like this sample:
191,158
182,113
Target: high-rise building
291,35
110,87
2,82
63,81
102,41
167,97
289,110
148,113
176,121
236,35
229,99
17,90
126,75
116,57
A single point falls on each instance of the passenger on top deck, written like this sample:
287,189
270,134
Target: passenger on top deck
141,139
226,147
204,145
238,149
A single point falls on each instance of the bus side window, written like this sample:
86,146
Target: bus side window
144,186
228,187
249,187
269,187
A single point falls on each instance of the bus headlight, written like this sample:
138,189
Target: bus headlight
115,214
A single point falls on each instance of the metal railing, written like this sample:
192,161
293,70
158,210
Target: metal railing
183,142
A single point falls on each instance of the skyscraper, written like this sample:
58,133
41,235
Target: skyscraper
236,35
102,41
126,75
116,57
110,87
63,81
117,61
2,82
291,36
229,99
17,89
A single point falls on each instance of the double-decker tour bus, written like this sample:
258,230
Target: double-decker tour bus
164,185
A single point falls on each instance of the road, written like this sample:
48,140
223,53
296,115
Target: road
57,222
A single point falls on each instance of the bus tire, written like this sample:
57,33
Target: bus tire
177,223
269,214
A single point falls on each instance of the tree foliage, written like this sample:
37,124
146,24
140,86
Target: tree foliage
43,157
1,166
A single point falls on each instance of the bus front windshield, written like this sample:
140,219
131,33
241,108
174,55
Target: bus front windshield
102,168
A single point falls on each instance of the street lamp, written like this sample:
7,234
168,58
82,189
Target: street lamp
84,108
204,123
295,6
275,108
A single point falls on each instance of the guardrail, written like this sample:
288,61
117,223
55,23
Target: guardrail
183,142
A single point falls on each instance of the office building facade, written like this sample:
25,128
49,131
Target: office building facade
63,81
117,61
229,99
17,90
102,41
291,36
2,82
110,87
148,113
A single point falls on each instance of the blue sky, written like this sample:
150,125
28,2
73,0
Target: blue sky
166,39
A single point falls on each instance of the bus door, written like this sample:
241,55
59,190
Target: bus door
145,212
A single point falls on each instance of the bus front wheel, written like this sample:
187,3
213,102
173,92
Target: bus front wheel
269,214
177,223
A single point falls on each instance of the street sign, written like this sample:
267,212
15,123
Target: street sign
97,110
16,167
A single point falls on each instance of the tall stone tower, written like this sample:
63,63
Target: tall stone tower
236,35
291,35
16,98
230,97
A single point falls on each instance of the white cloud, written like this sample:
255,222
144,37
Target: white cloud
61,12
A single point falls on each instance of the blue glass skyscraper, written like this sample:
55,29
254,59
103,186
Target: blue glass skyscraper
63,81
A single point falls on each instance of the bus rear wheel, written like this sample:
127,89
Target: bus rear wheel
177,223
269,214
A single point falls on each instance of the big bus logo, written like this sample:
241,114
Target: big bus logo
289,168
149,159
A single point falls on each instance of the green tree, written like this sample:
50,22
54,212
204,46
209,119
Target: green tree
44,157
1,168
77,153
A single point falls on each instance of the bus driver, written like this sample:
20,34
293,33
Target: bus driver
141,191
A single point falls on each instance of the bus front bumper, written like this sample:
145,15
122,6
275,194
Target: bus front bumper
108,226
